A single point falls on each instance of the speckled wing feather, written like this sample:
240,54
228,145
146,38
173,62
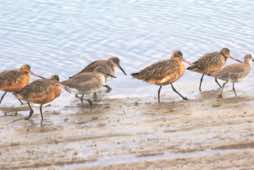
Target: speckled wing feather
86,76
157,71
91,67
36,88
233,71
9,77
85,82
204,62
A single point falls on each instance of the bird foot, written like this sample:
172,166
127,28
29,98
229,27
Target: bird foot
185,98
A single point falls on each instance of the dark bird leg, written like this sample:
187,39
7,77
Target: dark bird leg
234,89
184,98
95,97
108,88
223,86
30,113
216,80
41,112
20,102
159,94
90,103
200,84
3,97
82,98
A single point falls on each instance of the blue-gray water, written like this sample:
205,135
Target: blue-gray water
62,36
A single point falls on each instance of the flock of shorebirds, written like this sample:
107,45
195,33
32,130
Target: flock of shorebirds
94,77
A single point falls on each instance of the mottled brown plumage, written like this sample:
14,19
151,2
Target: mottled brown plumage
210,64
87,83
235,72
40,92
109,66
14,80
164,72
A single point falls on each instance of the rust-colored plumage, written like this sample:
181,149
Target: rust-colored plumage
41,91
87,83
164,72
14,80
235,72
210,64
109,66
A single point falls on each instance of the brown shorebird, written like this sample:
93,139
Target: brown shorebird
210,64
87,83
164,72
235,72
40,91
14,80
108,66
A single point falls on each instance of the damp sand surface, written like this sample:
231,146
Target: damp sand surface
132,133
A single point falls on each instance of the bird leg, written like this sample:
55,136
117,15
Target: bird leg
95,96
223,86
30,113
20,101
82,98
184,98
41,112
90,103
108,88
234,89
216,80
3,97
159,94
200,84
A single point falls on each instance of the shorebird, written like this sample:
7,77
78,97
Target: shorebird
235,72
14,80
210,64
40,91
87,83
164,72
108,66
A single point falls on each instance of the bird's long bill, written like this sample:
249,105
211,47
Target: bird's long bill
188,62
236,59
36,75
121,68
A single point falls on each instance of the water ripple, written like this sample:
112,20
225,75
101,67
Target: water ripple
63,36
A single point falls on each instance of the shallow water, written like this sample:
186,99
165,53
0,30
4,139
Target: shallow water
63,36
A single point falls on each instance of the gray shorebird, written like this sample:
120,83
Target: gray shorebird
87,83
210,64
235,72
108,66
12,81
40,91
164,72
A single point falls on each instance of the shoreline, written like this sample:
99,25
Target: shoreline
133,133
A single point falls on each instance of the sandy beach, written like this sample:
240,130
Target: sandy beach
132,133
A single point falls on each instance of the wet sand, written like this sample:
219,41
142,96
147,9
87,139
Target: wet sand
133,133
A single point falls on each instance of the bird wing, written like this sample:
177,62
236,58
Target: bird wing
37,89
91,67
203,62
9,77
233,71
86,76
158,70
84,82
